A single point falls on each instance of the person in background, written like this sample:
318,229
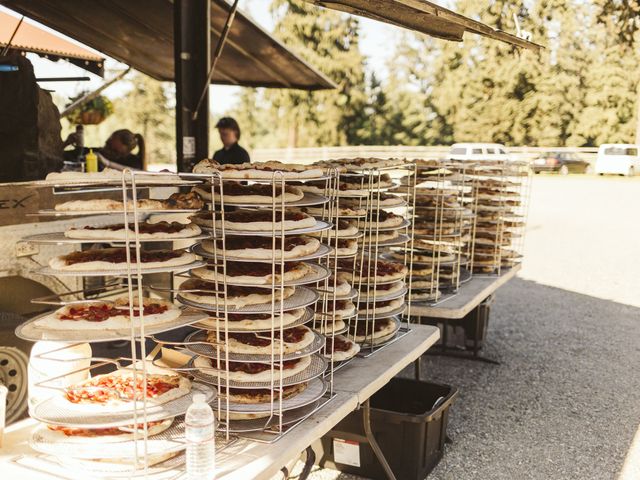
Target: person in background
116,152
231,152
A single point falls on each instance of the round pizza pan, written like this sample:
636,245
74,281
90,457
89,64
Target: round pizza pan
307,317
376,316
314,391
399,203
288,417
441,235
302,297
320,226
329,333
382,340
196,342
58,238
101,469
381,297
318,273
314,370
309,199
58,411
405,223
174,180
118,272
30,330
322,251
83,213
170,440
353,293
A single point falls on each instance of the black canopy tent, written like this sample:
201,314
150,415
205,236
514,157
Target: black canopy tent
171,40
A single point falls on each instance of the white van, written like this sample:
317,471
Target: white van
620,158
477,152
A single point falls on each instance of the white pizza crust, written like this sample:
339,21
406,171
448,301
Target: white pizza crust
234,301
119,322
59,263
341,211
382,237
109,174
311,246
207,367
234,346
57,437
392,221
395,287
259,171
350,249
297,273
238,397
347,311
189,230
386,331
336,325
252,199
251,322
376,310
342,356
104,204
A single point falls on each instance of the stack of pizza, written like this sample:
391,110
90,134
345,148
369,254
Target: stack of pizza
499,216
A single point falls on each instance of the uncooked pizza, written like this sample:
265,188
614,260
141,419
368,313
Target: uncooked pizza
340,348
377,182
146,230
177,201
341,229
346,246
111,175
202,291
99,436
262,248
379,308
294,340
246,372
384,271
341,211
342,286
271,170
380,290
328,328
253,321
381,236
254,273
255,194
119,388
365,330
109,315
248,220
259,395
106,259
339,309
382,219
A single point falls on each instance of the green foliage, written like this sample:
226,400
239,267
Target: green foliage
100,104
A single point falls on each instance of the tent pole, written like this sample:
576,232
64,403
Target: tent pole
192,56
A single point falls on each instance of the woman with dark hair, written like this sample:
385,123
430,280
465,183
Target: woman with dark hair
117,150
231,152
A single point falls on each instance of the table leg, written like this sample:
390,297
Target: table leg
308,464
366,421
417,368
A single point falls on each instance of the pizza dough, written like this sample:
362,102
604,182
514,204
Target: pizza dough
380,328
345,229
103,392
248,220
248,273
343,349
256,194
341,211
261,248
336,325
385,272
343,287
379,308
346,246
201,291
98,436
110,175
295,367
101,316
384,289
115,258
251,322
175,201
161,230
382,237
260,343
343,308
259,395
259,171
382,219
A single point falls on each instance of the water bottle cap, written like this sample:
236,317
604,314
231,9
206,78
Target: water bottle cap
199,398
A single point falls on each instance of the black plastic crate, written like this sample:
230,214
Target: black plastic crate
410,430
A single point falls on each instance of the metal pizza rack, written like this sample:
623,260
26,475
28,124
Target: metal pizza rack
128,281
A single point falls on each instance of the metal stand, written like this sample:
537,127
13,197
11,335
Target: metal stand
479,314
366,422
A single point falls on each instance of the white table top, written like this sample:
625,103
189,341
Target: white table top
469,296
244,459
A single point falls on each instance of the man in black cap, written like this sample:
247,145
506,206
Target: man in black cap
231,152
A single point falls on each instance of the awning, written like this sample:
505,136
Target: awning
30,38
140,34
424,17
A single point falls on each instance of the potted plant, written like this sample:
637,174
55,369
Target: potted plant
91,112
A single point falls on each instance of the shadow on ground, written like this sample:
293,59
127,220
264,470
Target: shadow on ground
562,404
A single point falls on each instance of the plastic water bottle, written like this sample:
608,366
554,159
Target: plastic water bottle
200,434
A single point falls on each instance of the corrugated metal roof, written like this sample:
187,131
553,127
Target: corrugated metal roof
140,34
31,38
424,17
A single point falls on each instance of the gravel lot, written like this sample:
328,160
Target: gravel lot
562,404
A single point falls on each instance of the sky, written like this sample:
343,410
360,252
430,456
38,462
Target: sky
376,43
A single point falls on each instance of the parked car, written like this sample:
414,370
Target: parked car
560,162
477,152
618,158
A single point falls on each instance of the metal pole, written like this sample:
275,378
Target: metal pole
192,57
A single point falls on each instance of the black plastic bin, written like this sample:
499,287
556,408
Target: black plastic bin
410,431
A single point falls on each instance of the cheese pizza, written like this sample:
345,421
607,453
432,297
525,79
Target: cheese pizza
245,372
177,201
116,258
255,194
202,291
146,230
294,340
254,273
261,248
